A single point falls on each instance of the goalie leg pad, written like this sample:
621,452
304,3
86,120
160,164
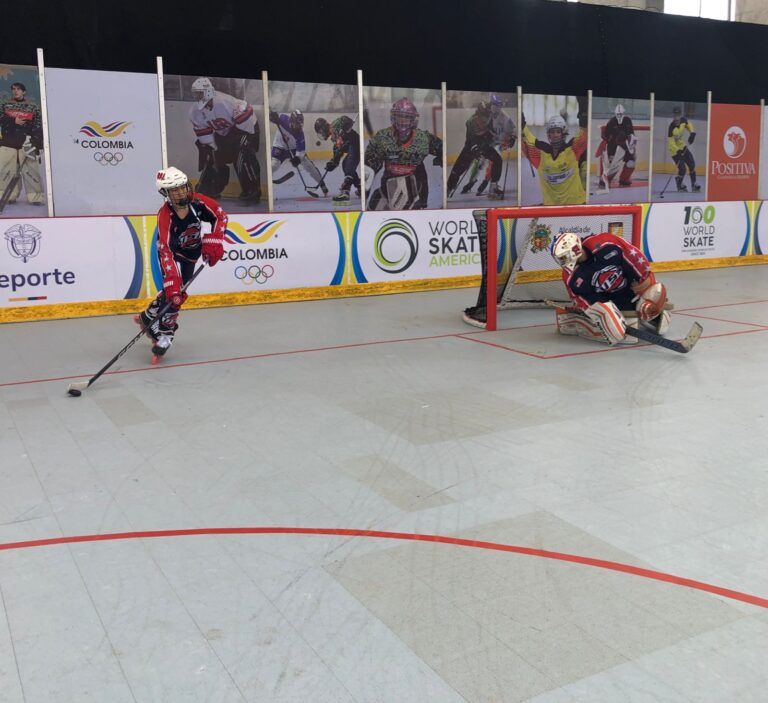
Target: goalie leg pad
573,322
609,320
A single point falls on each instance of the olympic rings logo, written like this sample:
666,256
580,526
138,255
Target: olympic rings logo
107,158
254,274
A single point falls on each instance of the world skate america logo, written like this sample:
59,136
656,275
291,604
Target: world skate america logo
734,142
23,241
107,141
395,246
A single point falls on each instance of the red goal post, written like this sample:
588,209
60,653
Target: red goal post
585,219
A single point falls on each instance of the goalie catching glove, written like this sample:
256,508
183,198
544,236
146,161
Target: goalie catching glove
651,297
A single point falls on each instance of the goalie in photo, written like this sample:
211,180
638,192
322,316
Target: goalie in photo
611,287
399,151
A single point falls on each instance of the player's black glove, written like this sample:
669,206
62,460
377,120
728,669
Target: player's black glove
295,161
691,137
274,117
331,165
438,160
522,117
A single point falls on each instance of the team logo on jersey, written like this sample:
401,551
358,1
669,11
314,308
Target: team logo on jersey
190,237
23,241
395,246
541,236
734,142
609,279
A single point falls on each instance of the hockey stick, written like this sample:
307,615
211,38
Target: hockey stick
292,152
683,347
76,389
10,187
284,178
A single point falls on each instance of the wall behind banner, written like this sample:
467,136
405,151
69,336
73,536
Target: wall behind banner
69,267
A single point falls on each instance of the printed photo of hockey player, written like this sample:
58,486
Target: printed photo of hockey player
553,137
315,146
680,133
482,148
620,144
214,134
403,159
22,172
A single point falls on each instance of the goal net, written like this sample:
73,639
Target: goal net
517,241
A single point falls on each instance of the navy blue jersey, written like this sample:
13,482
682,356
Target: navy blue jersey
613,265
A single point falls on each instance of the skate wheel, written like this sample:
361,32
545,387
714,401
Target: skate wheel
155,360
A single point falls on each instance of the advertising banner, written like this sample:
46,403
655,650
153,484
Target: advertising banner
675,231
261,253
761,230
47,260
410,246
734,152
105,141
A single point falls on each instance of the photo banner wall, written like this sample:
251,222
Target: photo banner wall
679,151
315,146
734,152
22,156
214,134
104,131
554,140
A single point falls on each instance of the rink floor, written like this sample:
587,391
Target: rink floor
419,510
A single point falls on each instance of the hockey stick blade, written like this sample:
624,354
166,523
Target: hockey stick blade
682,347
283,179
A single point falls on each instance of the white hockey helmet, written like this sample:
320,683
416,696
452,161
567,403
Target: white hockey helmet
557,122
171,178
203,91
619,112
566,248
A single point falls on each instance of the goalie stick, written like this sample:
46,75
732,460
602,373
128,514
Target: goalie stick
76,389
682,347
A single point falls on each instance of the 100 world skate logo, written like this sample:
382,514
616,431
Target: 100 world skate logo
104,140
23,241
395,246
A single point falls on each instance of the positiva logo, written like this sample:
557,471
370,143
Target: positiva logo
395,246
734,142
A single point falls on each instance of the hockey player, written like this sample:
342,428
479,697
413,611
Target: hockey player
605,275
290,144
504,137
21,127
616,152
180,243
227,132
478,144
346,143
401,150
557,159
679,151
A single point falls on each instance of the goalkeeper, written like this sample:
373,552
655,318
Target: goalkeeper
604,274
557,159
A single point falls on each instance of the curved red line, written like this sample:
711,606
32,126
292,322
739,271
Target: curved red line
456,541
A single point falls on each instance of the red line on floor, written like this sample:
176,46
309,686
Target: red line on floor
720,319
380,534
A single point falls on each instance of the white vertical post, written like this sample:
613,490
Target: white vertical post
361,125
760,177
46,134
519,145
445,145
588,164
161,97
650,150
267,141
709,129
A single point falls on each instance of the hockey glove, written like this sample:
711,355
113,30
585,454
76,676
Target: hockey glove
295,161
438,160
330,166
30,151
172,290
475,151
274,117
691,137
213,248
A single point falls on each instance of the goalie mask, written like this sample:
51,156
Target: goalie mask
404,118
174,186
557,131
322,128
619,112
203,91
566,249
